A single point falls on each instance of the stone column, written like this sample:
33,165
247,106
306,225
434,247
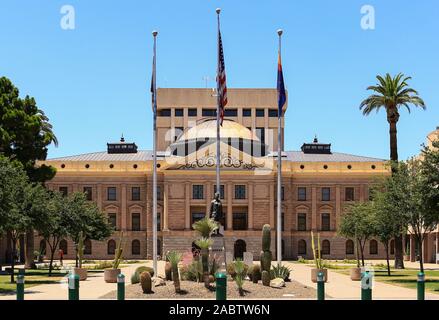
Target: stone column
314,208
272,221
187,215
123,208
165,206
250,206
229,221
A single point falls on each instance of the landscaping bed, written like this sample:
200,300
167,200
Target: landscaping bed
195,290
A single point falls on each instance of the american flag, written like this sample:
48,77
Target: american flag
221,79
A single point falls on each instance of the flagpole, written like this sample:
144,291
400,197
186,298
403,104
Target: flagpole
154,175
218,102
279,175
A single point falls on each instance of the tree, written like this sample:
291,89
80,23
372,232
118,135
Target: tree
25,133
357,223
391,93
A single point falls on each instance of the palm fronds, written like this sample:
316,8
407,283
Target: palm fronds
205,227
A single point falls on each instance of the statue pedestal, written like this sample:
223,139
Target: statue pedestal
218,250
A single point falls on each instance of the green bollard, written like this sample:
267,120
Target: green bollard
20,287
320,286
73,286
366,286
421,286
120,287
221,286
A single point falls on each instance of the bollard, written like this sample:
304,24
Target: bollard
320,286
421,286
20,287
221,286
366,286
73,286
120,287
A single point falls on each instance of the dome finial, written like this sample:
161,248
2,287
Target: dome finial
122,139
315,139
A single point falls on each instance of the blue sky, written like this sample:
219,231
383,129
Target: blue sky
93,82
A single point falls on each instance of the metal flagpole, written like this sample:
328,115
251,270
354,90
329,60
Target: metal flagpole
218,102
279,177
154,175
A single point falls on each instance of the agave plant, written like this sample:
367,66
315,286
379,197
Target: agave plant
280,271
174,258
240,271
205,227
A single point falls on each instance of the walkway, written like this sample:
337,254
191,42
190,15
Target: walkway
340,286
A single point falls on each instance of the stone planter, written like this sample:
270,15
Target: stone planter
315,272
81,272
110,275
355,274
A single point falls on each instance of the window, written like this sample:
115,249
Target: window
111,247
135,247
349,247
301,194
326,247
178,112
159,192
247,112
159,222
301,247
272,113
63,246
112,220
88,193
87,246
64,191
221,191
260,133
230,112
392,246
135,193
197,191
209,112
111,194
240,221
301,222
326,194
165,113
326,222
373,247
282,222
135,221
349,194
177,132
260,113
197,216
240,192
192,112
282,193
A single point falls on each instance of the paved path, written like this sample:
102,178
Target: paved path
340,286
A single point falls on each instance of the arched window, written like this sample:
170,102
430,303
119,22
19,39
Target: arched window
111,247
87,246
373,247
135,247
239,248
63,246
301,247
349,247
326,247
392,246
43,247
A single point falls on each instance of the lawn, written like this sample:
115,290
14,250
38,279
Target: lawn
32,278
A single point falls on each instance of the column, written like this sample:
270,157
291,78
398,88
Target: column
165,206
250,206
272,221
314,208
229,206
187,215
123,208
337,206
99,195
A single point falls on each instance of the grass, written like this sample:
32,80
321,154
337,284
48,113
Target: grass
32,278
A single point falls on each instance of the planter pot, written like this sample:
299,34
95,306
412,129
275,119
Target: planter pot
407,258
355,274
81,272
110,275
315,272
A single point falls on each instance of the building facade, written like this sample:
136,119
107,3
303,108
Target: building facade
317,183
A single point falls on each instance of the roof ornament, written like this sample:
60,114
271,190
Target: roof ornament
122,139
315,139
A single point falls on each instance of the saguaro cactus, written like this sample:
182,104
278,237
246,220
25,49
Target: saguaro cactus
266,255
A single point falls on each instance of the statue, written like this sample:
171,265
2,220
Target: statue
216,210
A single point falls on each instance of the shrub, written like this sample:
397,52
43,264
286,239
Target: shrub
280,272
191,272
231,269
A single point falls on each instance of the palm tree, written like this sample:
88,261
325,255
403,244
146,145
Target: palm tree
391,93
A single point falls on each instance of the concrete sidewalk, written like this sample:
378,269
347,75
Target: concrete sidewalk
340,286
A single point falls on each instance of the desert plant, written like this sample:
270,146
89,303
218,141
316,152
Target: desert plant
135,277
145,282
266,278
80,250
174,258
205,227
254,273
118,253
204,245
266,255
230,268
213,266
316,253
280,271
168,271
241,272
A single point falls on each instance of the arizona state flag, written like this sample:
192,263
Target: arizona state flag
281,95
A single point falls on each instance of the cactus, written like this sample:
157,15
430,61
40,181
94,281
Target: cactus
145,282
266,255
80,251
256,273
266,278
118,253
168,271
317,255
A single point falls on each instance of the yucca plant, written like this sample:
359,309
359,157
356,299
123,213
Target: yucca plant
241,272
317,255
205,227
174,258
118,253
204,245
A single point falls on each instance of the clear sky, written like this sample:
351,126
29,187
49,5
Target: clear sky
93,81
